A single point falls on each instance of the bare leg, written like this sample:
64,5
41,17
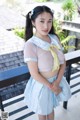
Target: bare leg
42,117
50,116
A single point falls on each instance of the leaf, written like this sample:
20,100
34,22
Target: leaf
67,39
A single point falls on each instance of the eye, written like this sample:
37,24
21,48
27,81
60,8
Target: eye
42,21
49,21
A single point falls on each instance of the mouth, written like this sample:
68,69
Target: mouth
45,30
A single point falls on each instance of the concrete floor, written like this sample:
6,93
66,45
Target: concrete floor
72,112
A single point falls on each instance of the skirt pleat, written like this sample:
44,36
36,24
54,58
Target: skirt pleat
41,100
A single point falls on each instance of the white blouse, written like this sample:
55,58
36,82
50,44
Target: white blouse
36,50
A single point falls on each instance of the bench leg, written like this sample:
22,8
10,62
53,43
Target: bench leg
65,104
1,105
68,80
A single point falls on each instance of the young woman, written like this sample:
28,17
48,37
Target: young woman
46,62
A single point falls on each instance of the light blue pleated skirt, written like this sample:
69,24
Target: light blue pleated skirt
41,100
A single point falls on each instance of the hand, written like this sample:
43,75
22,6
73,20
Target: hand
50,85
56,88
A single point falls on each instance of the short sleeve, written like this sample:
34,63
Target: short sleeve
30,52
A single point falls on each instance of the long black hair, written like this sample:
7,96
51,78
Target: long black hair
31,16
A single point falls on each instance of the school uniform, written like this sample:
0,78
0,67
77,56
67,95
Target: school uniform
38,97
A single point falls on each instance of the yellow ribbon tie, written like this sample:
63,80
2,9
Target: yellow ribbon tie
56,60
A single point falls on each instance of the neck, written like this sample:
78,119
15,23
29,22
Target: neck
44,38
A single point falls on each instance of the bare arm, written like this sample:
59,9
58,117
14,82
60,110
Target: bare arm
61,72
56,83
33,69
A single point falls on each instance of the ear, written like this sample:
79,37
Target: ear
33,23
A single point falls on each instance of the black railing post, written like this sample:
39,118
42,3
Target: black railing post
1,105
68,73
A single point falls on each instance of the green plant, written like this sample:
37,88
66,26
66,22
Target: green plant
64,37
69,9
19,32
57,25
65,41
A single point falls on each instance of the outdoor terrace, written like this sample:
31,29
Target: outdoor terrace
12,57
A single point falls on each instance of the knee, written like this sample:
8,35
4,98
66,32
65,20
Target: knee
42,117
50,116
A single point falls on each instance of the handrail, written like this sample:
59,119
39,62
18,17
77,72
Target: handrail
13,76
71,57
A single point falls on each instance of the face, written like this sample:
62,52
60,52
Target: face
43,24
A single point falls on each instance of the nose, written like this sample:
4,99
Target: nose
46,25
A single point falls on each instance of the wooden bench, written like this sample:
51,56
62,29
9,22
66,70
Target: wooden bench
13,76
